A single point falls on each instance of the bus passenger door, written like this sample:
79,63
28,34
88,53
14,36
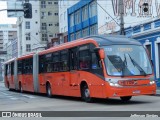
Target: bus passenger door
74,74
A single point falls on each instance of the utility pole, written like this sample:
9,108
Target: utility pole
121,12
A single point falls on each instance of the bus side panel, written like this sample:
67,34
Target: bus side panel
11,81
20,81
28,83
42,83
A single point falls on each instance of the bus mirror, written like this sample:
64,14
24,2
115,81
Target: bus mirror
101,54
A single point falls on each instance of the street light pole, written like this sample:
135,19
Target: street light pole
121,11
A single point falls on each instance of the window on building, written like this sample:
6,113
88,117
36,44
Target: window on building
57,24
27,25
44,26
28,47
71,20
149,50
50,35
43,4
55,3
93,30
85,13
93,9
78,34
28,36
49,2
55,14
49,13
44,37
77,17
50,24
72,36
85,32
43,14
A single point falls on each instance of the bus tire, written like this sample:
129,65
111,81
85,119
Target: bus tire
86,94
48,90
126,98
20,88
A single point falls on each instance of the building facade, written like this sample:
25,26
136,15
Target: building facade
49,19
29,31
34,34
62,35
88,17
8,32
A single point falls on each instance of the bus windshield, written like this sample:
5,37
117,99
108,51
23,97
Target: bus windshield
127,60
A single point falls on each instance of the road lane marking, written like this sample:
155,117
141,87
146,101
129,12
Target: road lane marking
29,96
14,98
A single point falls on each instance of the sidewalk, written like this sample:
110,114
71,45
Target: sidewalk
158,91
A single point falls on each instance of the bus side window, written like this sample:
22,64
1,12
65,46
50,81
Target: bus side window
56,62
95,63
84,59
64,60
49,62
6,69
73,58
12,68
41,64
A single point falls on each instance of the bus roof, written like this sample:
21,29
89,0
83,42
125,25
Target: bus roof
98,40
26,56
9,61
103,40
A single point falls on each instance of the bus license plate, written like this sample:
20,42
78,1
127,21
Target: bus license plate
136,91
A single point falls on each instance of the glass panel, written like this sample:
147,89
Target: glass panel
127,60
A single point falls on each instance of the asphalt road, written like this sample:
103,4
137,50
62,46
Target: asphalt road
15,101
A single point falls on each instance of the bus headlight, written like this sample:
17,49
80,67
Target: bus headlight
114,84
152,80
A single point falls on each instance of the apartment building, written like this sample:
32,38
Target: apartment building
34,34
63,19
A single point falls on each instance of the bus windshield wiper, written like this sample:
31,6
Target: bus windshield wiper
124,65
137,65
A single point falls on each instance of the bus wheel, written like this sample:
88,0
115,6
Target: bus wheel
48,90
8,86
20,88
126,98
86,94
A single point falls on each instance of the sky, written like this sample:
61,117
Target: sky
3,15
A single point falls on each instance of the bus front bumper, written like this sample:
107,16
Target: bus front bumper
131,91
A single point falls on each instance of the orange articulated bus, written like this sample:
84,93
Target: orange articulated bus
92,67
